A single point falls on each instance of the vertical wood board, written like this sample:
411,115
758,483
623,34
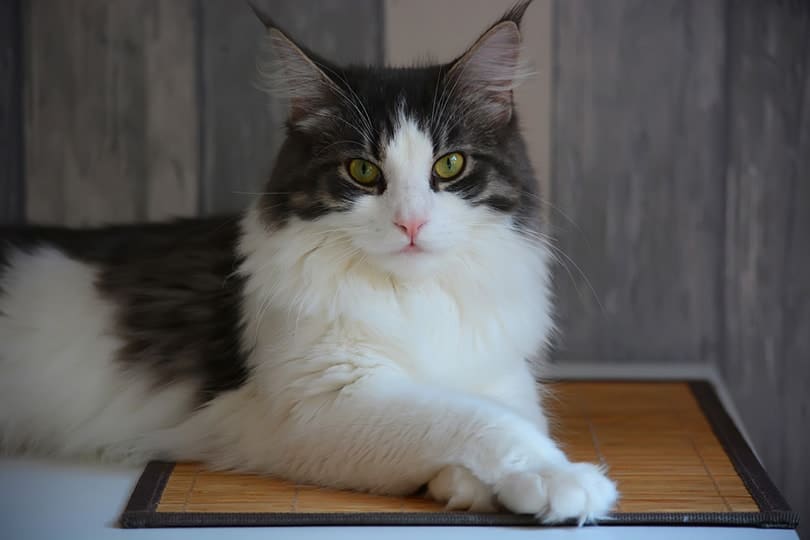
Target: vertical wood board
109,111
638,164
12,184
767,249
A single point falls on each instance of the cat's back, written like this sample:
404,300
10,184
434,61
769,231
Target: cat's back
120,243
96,322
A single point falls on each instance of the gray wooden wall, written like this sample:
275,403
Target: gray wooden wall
766,278
12,179
681,151
637,164
680,157
141,109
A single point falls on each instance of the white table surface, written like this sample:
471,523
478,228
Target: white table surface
53,500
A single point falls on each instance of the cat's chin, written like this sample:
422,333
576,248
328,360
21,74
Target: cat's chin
412,249
410,263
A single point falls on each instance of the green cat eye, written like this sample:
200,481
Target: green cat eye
364,172
449,166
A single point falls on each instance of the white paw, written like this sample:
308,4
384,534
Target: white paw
575,490
578,490
522,493
461,490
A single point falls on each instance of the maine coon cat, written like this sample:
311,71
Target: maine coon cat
371,322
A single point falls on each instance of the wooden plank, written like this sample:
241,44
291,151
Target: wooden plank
638,162
12,194
767,270
242,129
108,100
172,109
84,115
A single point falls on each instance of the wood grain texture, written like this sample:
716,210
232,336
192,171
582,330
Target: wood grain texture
242,126
12,182
110,129
637,169
767,270
172,141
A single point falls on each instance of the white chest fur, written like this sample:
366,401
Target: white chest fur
310,310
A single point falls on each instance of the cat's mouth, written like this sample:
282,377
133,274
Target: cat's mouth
411,249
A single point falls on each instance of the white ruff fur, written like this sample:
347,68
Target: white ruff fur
371,369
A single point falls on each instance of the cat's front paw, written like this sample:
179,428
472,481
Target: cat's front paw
459,489
572,491
581,491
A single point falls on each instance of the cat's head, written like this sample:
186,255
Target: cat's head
407,166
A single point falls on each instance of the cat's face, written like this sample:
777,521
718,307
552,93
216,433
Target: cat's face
407,166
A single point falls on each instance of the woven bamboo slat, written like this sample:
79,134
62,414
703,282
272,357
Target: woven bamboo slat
658,446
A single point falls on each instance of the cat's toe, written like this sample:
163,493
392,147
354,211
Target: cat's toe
459,489
523,493
579,491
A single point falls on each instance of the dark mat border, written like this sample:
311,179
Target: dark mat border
749,469
141,511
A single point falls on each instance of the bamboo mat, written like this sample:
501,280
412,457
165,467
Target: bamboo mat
670,446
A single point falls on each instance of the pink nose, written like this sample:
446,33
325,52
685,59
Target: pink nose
410,227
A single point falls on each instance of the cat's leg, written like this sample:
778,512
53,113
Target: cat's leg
456,485
517,388
391,435
557,489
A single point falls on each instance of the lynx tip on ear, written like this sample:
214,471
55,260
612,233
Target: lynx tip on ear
516,12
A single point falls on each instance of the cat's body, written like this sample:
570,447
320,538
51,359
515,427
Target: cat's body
372,325
95,317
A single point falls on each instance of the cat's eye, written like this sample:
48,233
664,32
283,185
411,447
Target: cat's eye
449,166
363,172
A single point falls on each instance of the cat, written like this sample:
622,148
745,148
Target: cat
373,321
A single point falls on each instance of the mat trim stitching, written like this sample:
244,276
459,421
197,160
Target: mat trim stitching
782,520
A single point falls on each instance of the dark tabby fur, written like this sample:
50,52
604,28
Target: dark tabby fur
174,284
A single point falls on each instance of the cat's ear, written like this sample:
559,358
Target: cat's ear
489,70
287,69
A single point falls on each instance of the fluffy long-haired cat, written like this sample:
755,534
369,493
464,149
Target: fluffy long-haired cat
371,322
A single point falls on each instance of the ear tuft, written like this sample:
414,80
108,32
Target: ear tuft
516,12
490,69
286,70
